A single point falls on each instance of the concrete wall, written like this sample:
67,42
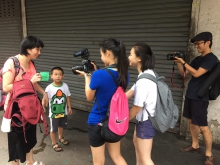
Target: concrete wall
206,17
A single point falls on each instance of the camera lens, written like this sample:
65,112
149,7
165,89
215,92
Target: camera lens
170,57
74,68
77,54
177,54
84,53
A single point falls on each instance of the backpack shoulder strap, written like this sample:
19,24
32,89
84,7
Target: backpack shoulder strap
147,76
116,82
17,65
152,78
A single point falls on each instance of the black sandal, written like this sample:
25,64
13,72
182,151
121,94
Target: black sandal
56,147
63,141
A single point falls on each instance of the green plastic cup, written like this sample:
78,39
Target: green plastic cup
45,76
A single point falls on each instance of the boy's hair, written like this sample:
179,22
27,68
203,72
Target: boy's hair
30,42
57,68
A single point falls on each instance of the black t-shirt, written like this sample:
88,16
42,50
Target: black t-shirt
206,62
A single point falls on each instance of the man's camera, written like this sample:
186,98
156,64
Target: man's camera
86,66
177,54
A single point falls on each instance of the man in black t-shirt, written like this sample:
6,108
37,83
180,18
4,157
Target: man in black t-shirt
195,107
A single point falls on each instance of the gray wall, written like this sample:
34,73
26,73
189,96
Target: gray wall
68,26
10,29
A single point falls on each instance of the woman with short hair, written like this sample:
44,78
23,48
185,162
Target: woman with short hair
30,49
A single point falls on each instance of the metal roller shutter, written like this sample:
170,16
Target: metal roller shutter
68,26
10,29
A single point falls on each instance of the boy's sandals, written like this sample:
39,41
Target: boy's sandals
63,141
56,147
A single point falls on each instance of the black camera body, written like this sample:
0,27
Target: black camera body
177,54
86,66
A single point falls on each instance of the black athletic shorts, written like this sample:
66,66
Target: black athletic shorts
57,122
196,110
95,138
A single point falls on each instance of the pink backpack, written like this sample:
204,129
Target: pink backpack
24,107
116,124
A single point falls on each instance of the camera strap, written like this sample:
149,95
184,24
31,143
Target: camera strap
184,77
111,66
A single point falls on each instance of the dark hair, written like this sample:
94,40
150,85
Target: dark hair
118,50
210,45
56,68
30,42
143,51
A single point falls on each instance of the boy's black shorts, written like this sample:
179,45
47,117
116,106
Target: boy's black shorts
196,110
57,122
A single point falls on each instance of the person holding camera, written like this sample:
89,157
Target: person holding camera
195,107
144,92
101,87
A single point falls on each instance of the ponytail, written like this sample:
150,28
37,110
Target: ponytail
118,50
122,66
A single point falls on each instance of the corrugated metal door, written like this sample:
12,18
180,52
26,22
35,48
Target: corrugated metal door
68,26
10,29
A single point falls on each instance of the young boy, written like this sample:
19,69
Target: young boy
59,99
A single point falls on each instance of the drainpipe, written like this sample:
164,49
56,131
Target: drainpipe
23,18
195,12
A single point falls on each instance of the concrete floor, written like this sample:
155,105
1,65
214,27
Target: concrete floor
165,147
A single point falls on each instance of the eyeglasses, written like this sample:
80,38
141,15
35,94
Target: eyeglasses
198,43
